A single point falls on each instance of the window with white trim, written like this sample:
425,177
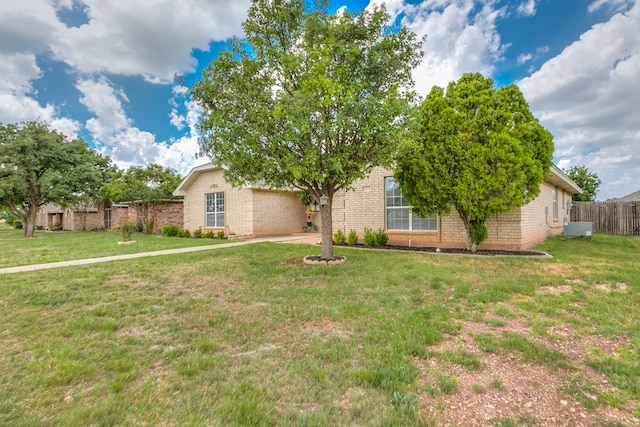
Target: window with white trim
399,214
554,197
214,209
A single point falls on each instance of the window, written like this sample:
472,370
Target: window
399,215
554,198
214,209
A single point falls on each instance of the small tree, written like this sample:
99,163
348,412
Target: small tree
309,100
587,181
40,166
478,150
142,188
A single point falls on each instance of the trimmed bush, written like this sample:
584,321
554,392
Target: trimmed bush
170,230
198,233
339,237
127,228
208,235
184,233
369,237
378,238
352,238
382,238
220,234
17,224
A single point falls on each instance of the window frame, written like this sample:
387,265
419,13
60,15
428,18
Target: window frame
217,201
554,202
401,205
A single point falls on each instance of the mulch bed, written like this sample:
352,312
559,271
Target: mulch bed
458,251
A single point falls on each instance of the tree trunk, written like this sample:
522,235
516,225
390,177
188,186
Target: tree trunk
327,229
29,221
465,220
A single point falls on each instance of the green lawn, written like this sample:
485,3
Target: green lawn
249,336
54,246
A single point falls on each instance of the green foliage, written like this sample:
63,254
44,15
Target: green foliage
305,198
308,100
142,188
478,232
17,224
148,226
39,166
369,237
339,237
127,228
375,238
587,181
352,238
475,149
220,234
184,233
197,234
381,238
208,235
170,230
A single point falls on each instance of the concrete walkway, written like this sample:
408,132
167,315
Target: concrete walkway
307,238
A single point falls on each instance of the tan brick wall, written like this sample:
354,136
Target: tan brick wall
247,211
238,204
537,225
277,213
364,206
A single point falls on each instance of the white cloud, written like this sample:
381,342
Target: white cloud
525,57
588,97
459,37
615,5
152,38
527,9
114,135
27,26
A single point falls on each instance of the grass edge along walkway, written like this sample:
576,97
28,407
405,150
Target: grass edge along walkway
86,261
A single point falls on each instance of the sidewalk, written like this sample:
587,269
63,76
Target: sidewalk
307,238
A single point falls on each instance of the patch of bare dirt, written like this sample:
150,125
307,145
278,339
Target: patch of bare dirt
505,387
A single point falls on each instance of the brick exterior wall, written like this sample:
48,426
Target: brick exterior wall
277,212
168,212
537,226
254,212
364,206
248,211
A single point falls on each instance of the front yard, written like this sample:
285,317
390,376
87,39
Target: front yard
249,336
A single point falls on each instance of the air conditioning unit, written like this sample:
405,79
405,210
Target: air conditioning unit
578,229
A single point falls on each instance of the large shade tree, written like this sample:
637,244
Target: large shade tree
308,100
142,188
477,150
39,165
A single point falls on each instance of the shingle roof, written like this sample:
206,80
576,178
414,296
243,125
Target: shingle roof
635,196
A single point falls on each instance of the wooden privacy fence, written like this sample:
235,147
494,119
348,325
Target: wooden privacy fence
609,217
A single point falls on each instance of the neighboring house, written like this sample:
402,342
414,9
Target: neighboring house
633,197
210,203
104,215
84,216
376,202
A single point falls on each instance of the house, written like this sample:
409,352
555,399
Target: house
210,203
632,197
95,215
374,202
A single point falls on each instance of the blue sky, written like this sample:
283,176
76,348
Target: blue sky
104,70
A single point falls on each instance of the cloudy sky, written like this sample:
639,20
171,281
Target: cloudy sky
103,70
